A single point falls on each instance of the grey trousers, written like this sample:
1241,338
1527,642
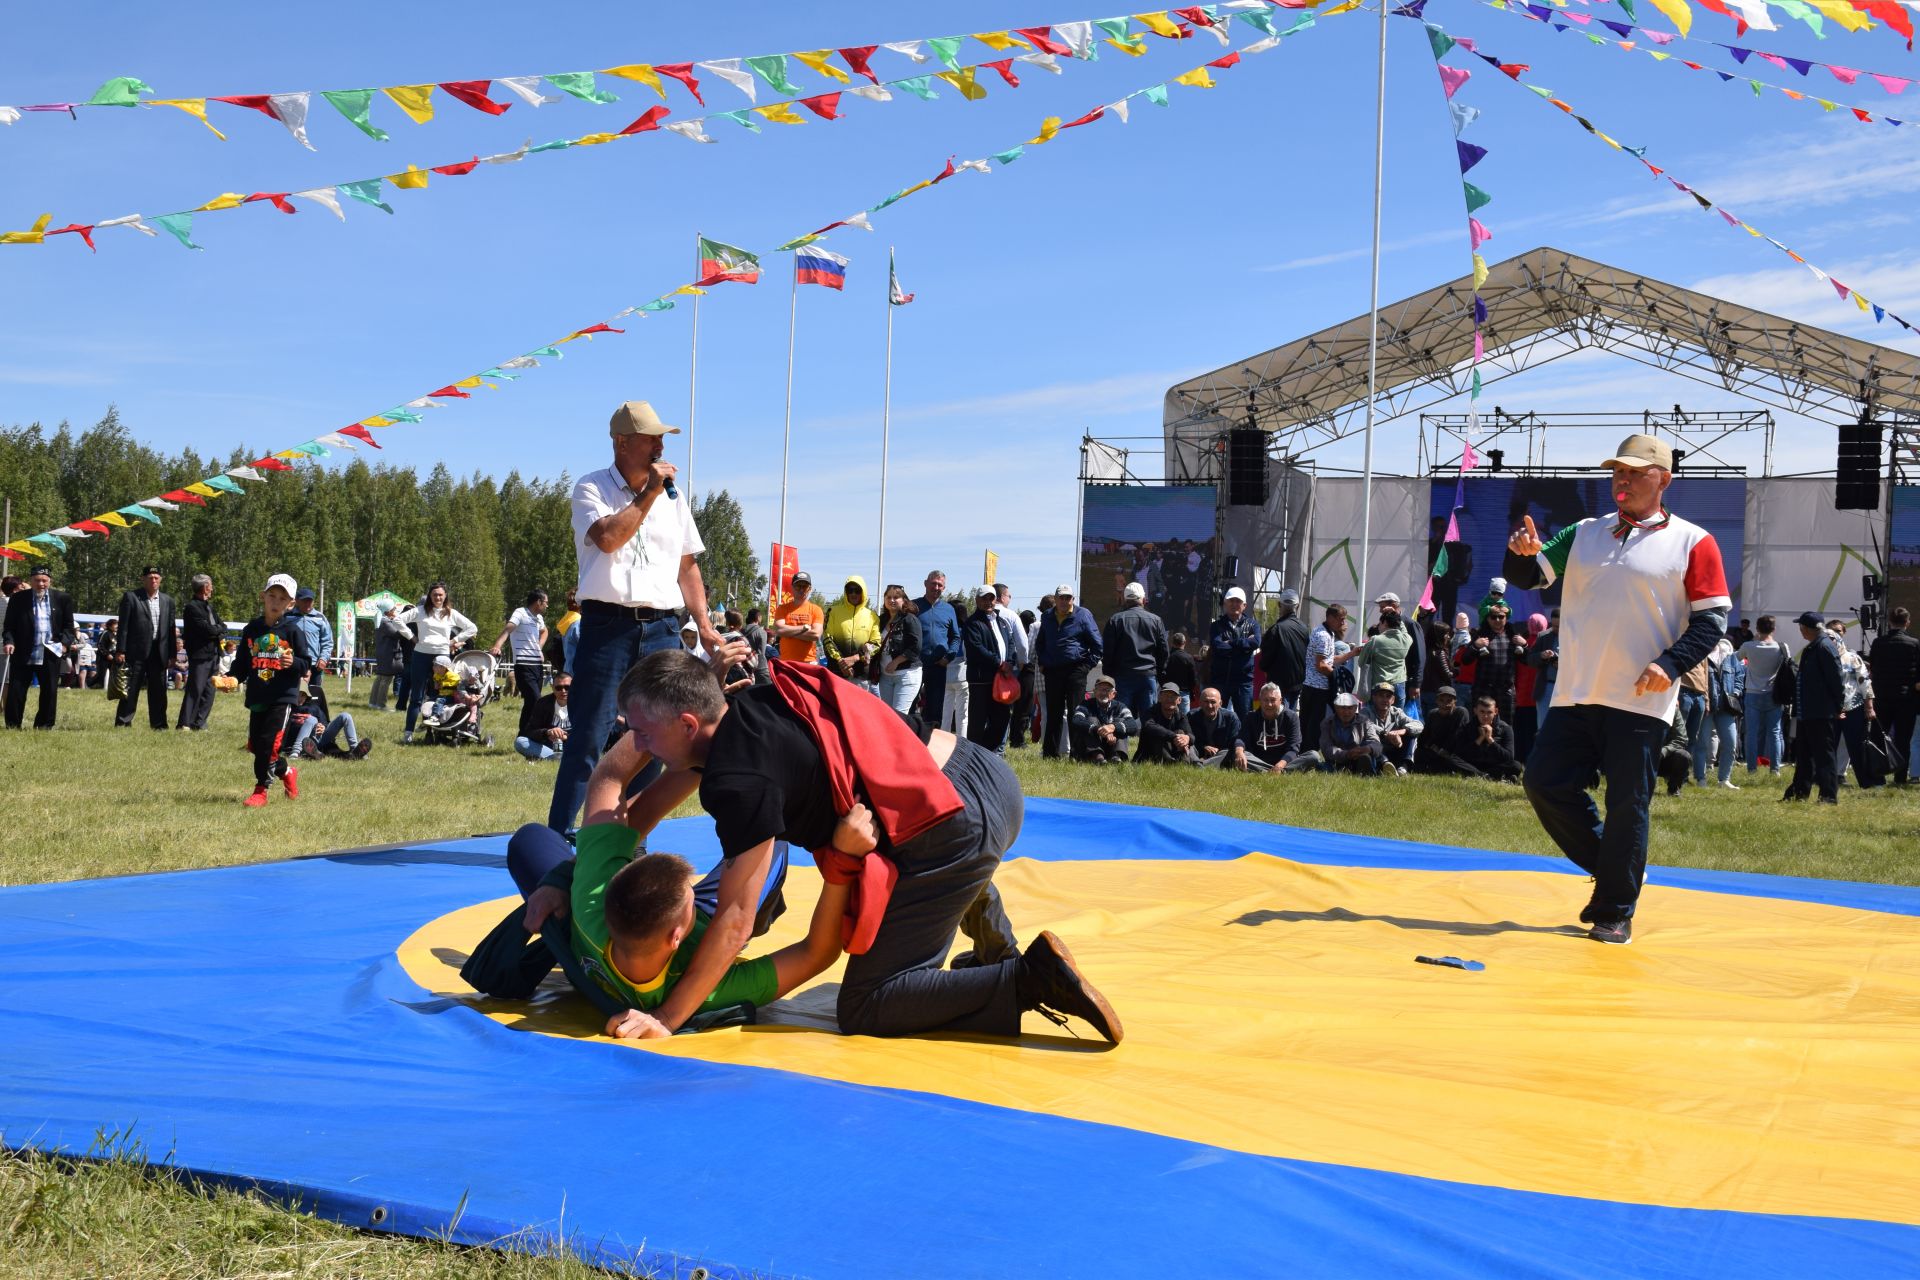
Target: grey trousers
946,877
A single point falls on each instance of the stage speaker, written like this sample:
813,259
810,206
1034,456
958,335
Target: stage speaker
1857,470
1246,467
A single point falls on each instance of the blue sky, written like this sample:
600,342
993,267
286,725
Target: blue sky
1058,296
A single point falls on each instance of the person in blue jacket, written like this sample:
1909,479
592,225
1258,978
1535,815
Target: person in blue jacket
1069,645
1233,642
313,625
940,646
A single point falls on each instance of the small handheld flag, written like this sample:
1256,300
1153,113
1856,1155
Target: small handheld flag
894,294
817,266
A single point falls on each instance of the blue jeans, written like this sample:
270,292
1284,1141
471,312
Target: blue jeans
609,646
1575,743
1725,728
1693,711
1138,692
1763,736
419,683
1237,694
534,750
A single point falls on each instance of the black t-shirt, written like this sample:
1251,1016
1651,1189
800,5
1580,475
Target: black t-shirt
1181,672
764,778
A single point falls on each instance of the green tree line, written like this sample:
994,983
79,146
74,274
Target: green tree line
357,528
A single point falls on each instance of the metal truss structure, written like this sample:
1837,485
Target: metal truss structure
1542,305
1695,434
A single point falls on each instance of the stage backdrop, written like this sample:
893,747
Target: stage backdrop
1495,504
1396,551
1161,536
1804,553
1903,562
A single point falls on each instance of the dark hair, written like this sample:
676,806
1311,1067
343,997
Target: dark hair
1899,616
733,620
1489,699
1178,639
753,615
535,596
645,897
1766,624
673,682
12,582
1336,611
1000,589
1026,617
427,596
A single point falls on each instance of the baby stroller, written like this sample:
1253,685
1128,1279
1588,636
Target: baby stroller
454,716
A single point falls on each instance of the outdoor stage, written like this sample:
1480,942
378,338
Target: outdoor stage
1730,1095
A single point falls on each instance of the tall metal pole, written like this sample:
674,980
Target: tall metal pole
1373,329
786,433
693,368
886,414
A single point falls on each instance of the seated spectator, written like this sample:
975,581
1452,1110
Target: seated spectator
1181,673
310,741
1348,741
1487,747
1216,732
1446,726
1100,726
544,723
1396,728
1165,735
1270,738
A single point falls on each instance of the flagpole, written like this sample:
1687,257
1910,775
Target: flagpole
886,415
1373,329
693,368
786,433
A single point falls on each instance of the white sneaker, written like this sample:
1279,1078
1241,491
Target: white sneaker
1729,786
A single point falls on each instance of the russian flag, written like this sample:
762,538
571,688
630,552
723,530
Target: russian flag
817,266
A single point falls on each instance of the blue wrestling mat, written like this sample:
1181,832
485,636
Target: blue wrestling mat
1733,1095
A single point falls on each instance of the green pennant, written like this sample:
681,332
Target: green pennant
1545,93
48,540
1257,18
121,91
177,225
947,49
1594,39
366,191
223,483
1627,7
1305,21
1476,198
558,144
800,243
658,304
353,104
1010,154
1115,27
1440,40
552,353
139,512
1756,89
743,118
773,69
1157,95
403,415
1476,384
580,85
919,86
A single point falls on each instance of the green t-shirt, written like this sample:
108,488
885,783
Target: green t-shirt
602,850
1386,659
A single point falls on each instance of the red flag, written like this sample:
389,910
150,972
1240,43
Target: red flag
1088,118
279,199
269,463
474,94
460,170
648,121
1514,69
825,105
252,101
1005,68
595,328
1198,16
786,563
1226,60
92,526
11,554
1042,39
1892,14
945,173
683,72
857,59
359,432
181,495
82,229
456,392
1860,115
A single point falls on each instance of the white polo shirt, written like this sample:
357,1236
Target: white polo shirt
646,571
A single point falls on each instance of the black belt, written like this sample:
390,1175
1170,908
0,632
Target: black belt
637,612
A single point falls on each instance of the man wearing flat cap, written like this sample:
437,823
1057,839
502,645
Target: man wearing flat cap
1643,599
145,648
636,542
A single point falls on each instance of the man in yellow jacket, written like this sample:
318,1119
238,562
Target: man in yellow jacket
852,631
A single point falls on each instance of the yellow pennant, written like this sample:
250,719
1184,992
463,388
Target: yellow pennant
641,71
412,180
1825,105
779,113
1048,127
376,421
475,381
998,40
203,489
1197,78
817,62
284,453
229,200
1133,46
1843,13
195,107
116,519
36,236
1351,5
1159,23
1479,271
1606,139
26,547
1657,56
963,81
414,99
688,288
1860,300
1678,12
594,139
1749,230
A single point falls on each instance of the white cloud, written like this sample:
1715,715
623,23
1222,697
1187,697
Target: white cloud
1797,294
1794,172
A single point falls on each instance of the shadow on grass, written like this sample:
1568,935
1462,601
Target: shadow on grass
1340,915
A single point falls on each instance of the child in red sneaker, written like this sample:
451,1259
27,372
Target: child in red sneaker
272,660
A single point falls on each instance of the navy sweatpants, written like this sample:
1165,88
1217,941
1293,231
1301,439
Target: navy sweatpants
1578,744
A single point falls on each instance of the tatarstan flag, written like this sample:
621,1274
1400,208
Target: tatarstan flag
722,262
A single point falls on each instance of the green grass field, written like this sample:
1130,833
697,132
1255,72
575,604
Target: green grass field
86,800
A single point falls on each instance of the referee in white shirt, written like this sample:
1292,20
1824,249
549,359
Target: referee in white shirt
636,543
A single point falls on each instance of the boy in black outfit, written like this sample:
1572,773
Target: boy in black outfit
272,660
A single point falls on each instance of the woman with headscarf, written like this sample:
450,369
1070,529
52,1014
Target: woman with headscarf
1526,679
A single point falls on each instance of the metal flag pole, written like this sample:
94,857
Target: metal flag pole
1373,332
786,433
886,414
693,368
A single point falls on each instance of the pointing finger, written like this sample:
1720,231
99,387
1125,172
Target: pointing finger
1531,531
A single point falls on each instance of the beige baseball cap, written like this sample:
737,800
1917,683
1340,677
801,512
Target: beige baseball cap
1642,451
637,418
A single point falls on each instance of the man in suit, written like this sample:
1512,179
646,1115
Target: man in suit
1818,704
38,628
201,633
146,648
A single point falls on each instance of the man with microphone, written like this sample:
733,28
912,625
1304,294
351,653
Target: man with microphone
636,543
1643,599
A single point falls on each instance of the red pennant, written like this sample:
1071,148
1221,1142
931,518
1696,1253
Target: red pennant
1894,15
1513,69
1226,60
857,59
1088,118
82,229
359,432
252,101
474,94
181,495
279,199
647,122
460,170
1693,66
825,105
455,392
11,554
1719,7
1861,116
1042,39
1198,16
270,463
945,173
683,72
595,328
1005,68
92,526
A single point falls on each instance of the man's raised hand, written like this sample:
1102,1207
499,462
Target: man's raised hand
1525,540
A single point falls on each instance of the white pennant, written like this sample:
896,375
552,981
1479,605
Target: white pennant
69,533
290,109
519,362
158,504
728,69
244,473
1044,61
325,198
131,220
9,114
1754,12
1218,31
1119,108
911,48
527,89
1077,36
1261,46
509,157
858,220
871,92
337,440
978,166
689,129
424,402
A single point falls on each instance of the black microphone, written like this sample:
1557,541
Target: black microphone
673,495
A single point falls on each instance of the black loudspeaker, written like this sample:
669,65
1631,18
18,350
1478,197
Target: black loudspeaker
1246,467
1230,567
1858,468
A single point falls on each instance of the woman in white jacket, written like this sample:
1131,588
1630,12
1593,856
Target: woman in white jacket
439,630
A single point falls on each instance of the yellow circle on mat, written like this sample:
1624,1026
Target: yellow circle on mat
1744,1053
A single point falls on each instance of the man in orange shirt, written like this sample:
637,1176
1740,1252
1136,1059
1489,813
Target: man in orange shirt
799,623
